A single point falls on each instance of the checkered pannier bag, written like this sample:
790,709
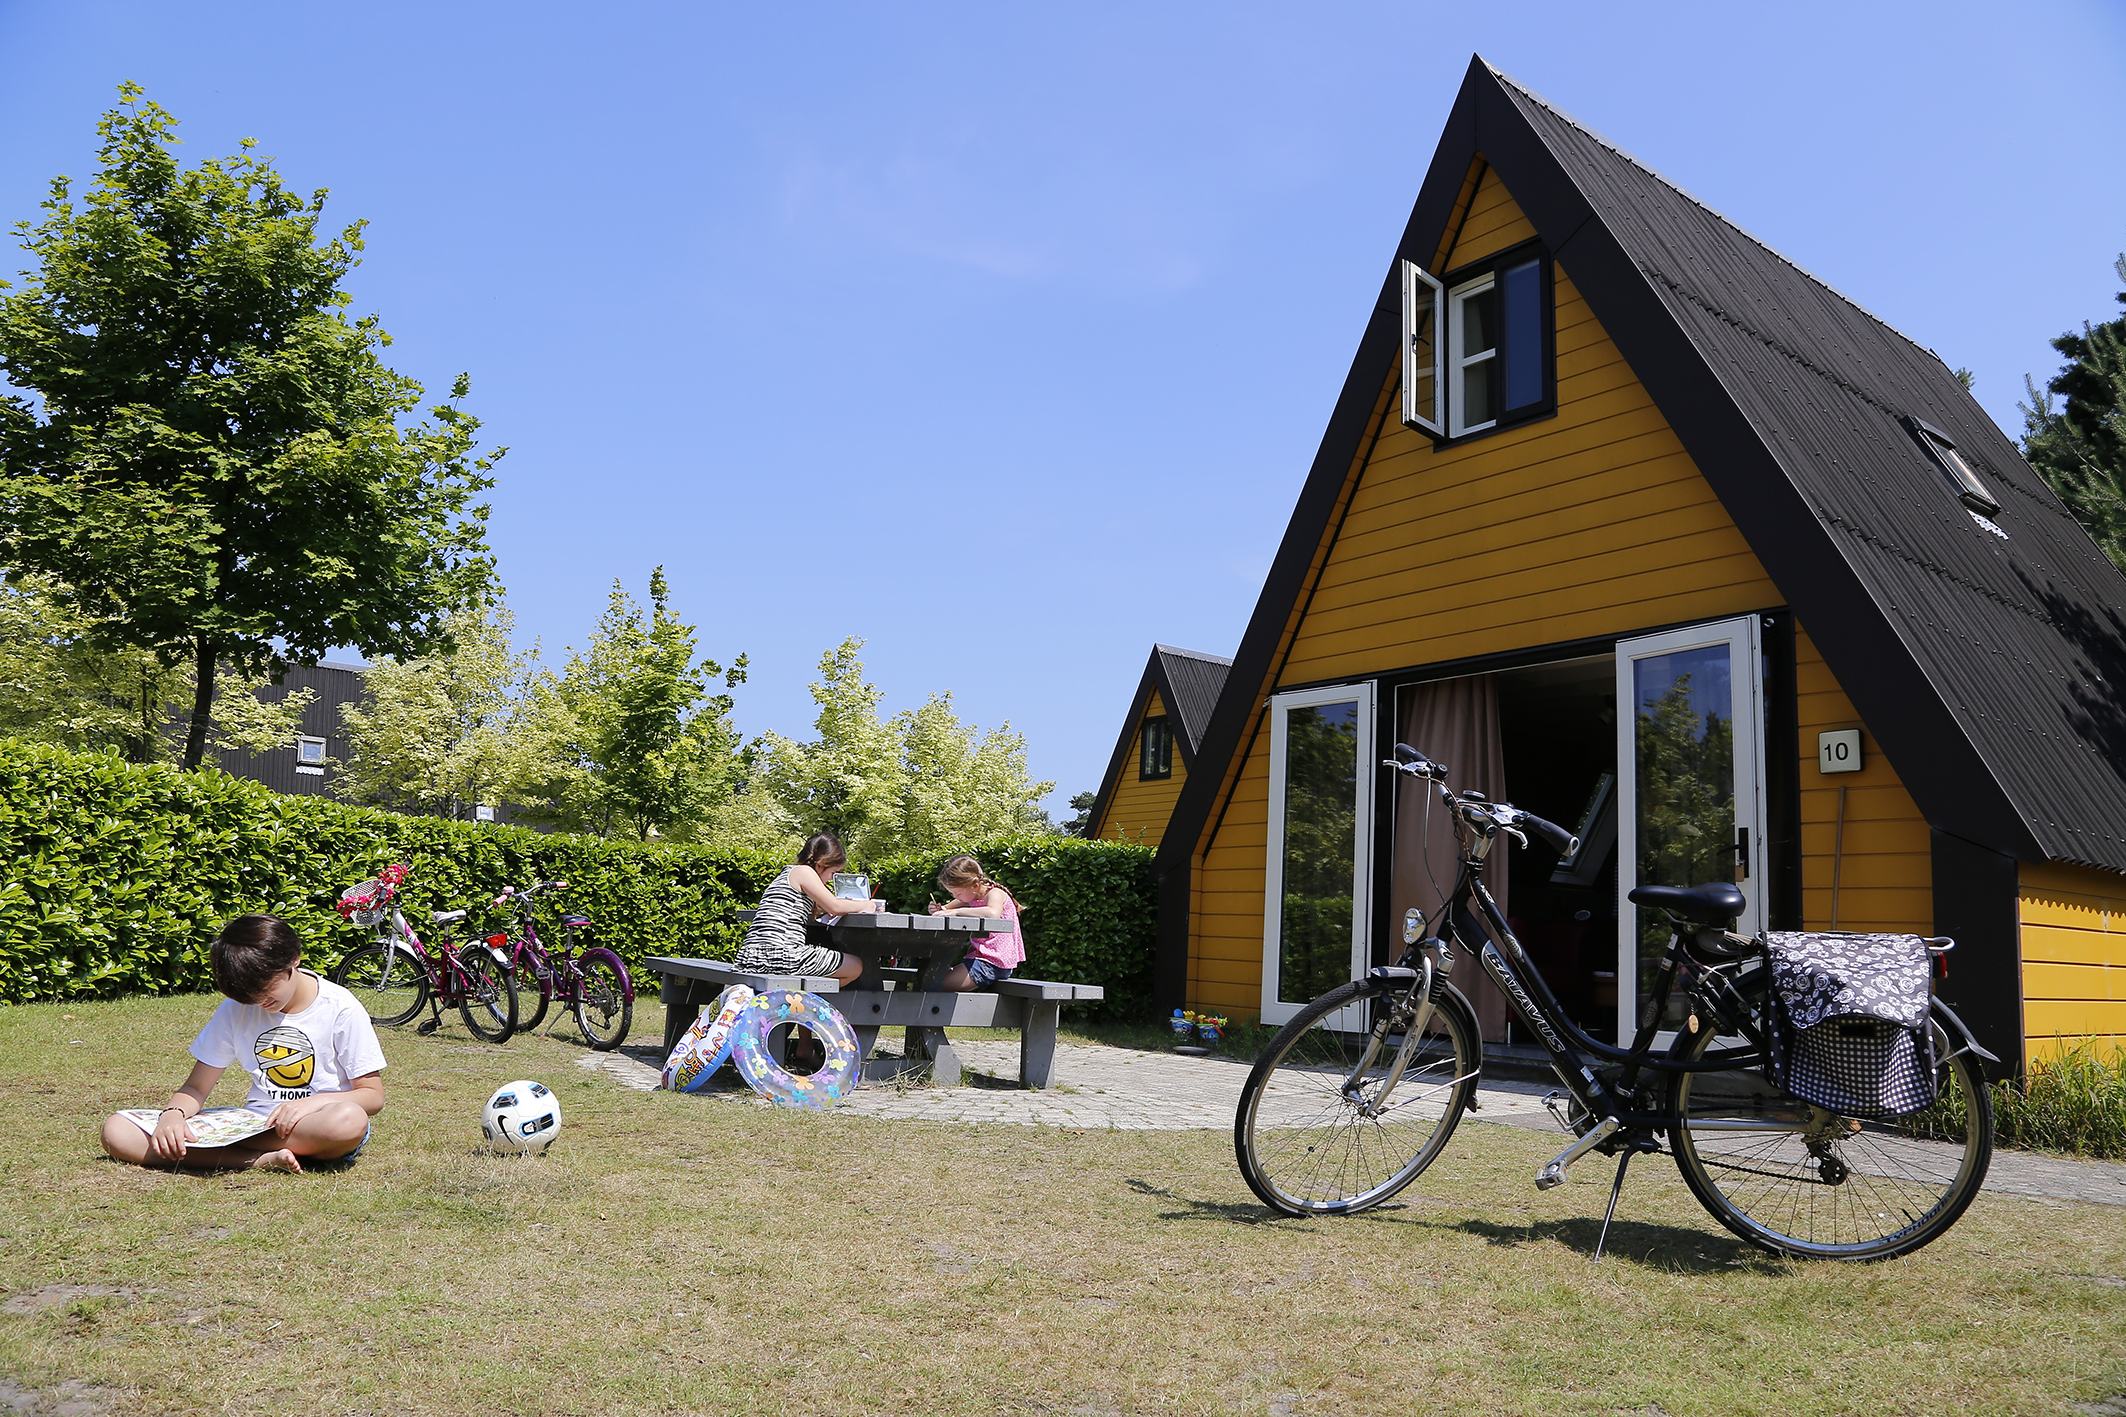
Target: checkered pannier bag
1849,1021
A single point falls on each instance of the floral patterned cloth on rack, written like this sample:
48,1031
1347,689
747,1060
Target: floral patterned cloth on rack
1849,1021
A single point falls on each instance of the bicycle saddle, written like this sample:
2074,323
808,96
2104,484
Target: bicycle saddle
1714,903
444,917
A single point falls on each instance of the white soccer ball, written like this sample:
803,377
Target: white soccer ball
523,1115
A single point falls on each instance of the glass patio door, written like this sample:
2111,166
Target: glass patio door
1690,792
1319,848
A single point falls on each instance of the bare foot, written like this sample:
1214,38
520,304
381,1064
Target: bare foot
282,1160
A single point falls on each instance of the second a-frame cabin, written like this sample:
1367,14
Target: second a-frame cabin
1157,749
1627,519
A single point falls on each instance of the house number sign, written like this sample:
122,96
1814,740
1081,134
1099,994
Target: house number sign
1838,751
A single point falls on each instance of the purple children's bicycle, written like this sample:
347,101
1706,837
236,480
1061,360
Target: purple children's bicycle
595,984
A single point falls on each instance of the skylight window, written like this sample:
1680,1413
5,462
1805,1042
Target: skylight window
1940,449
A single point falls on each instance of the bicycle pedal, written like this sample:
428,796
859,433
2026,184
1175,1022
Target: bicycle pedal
429,1027
1553,1173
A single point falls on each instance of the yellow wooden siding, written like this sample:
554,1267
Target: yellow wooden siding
1886,868
1140,810
1594,522
2073,925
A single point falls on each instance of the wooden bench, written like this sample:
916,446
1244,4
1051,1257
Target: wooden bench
1032,1006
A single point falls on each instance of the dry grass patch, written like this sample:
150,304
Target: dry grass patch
674,1255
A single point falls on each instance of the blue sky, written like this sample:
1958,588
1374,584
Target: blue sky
809,303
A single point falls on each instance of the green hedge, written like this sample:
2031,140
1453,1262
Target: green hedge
1089,910
119,876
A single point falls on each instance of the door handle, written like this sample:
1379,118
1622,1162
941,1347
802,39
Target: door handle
1742,853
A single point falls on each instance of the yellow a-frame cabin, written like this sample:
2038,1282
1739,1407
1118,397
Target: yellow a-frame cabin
1627,519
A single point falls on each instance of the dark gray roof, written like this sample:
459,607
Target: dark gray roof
1195,680
1985,667
2017,642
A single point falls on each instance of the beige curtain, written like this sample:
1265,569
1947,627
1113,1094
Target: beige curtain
1455,722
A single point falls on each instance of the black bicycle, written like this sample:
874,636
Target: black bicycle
1355,1096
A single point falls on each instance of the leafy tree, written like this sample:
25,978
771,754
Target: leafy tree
960,785
2080,449
848,779
211,467
440,734
57,686
1082,822
922,781
633,735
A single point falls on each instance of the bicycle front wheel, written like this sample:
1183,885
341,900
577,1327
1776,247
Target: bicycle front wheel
1825,1186
534,990
390,986
490,1002
603,1009
1320,1131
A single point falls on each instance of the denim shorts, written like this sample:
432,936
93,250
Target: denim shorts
985,973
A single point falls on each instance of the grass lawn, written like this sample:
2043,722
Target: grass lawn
677,1255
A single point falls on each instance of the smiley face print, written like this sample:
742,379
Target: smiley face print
285,1056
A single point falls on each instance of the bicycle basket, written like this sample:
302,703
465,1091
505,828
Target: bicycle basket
363,902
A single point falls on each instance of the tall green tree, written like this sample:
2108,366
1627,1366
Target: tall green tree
206,453
58,686
443,733
2079,448
637,738
920,781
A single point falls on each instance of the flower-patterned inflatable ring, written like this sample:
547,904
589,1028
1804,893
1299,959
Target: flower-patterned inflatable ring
749,1049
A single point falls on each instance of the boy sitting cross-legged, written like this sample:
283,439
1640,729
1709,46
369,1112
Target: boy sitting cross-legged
310,1049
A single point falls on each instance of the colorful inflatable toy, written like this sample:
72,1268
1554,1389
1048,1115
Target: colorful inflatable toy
749,1049
707,1044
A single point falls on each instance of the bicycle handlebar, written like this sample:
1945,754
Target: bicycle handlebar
529,891
1412,763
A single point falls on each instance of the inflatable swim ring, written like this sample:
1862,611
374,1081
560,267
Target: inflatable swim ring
707,1043
749,1049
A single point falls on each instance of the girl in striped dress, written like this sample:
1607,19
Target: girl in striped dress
777,941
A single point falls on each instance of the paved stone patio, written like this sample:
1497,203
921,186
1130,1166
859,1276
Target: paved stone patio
1130,1090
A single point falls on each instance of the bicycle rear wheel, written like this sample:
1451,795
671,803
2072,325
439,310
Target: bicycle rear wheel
1314,1133
490,1002
1832,1187
390,986
603,1009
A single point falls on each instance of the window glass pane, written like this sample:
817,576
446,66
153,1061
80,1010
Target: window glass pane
1480,400
1320,850
1480,330
1685,747
309,750
1521,293
1157,756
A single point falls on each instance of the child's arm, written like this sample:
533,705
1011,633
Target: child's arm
993,902
173,1131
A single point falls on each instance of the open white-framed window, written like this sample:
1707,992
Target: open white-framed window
310,751
1476,355
1690,784
1317,900
1424,388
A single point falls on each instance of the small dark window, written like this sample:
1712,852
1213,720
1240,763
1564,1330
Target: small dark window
1940,449
1158,745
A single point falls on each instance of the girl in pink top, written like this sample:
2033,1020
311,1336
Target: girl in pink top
990,958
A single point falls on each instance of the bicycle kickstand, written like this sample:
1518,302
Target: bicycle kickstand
435,1020
1616,1189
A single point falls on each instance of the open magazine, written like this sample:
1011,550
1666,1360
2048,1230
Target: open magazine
213,1126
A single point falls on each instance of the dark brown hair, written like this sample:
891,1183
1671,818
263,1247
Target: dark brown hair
822,846
250,950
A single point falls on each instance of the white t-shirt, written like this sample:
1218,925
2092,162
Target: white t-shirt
321,1049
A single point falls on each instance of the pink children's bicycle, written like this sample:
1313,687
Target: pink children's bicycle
394,975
